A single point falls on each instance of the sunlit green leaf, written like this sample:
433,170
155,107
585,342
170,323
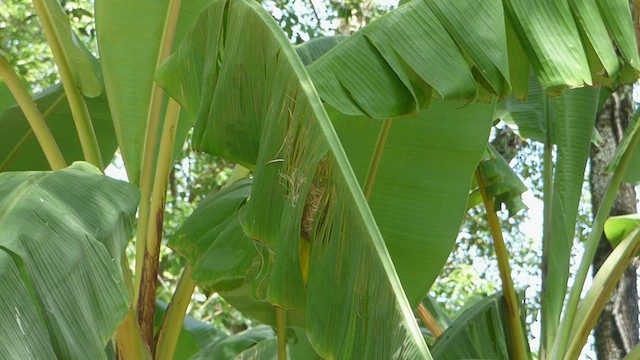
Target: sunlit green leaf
619,227
617,17
559,61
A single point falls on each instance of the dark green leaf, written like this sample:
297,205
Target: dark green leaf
19,149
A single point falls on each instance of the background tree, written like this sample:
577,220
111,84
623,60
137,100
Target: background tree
616,332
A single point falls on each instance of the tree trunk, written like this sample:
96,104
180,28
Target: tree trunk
616,331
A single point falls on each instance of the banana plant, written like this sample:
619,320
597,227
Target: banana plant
361,153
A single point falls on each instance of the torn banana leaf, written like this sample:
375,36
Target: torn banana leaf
254,103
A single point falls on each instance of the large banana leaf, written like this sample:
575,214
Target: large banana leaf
415,158
254,80
395,47
19,149
572,117
419,195
64,233
466,45
129,38
580,46
420,189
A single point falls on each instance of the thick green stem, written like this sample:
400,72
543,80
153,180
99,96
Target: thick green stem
147,297
77,104
281,329
516,333
151,144
591,245
604,283
174,317
33,115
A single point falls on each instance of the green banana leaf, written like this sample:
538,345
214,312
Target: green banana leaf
223,258
480,332
394,48
418,226
300,168
62,235
572,118
129,36
23,334
420,188
576,117
467,47
6,99
580,46
313,49
616,228
213,242
250,298
258,343
503,184
230,347
19,149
